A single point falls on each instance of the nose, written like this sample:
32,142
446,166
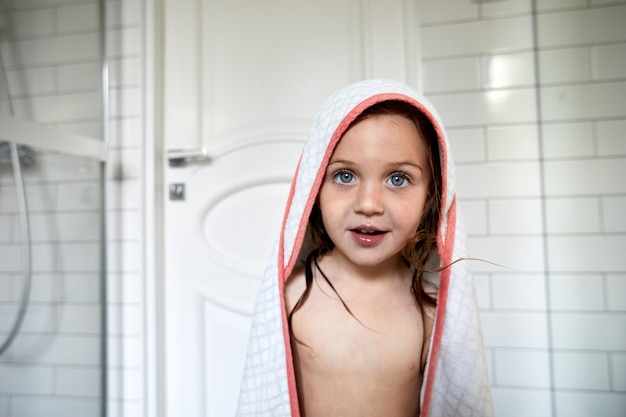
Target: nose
369,199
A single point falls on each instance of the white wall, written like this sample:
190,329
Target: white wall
51,53
547,201
53,366
125,178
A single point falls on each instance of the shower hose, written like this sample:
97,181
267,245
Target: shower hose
23,225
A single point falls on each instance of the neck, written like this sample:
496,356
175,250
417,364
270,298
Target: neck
338,267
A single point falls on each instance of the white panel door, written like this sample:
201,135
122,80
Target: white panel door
243,79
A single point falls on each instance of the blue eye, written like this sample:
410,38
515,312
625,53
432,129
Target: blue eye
398,180
344,177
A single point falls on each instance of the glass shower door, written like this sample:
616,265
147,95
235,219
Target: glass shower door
52,229
55,364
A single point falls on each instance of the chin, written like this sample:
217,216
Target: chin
373,261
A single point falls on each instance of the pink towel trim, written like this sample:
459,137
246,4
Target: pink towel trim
282,278
442,298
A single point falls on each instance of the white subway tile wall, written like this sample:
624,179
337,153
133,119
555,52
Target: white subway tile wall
541,157
523,402
512,368
618,368
124,209
52,62
580,403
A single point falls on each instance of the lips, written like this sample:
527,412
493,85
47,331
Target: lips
367,236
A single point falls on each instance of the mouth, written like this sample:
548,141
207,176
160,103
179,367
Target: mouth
367,231
367,236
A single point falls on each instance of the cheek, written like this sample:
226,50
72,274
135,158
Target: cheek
417,208
330,198
322,199
328,207
412,224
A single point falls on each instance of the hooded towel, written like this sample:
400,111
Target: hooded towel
455,381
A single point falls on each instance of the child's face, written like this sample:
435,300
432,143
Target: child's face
375,189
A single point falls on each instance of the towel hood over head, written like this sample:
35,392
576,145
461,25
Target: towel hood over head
455,380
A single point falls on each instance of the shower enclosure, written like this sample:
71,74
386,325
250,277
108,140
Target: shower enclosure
53,109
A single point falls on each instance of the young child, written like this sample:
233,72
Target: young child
363,311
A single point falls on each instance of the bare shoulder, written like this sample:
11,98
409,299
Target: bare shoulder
294,287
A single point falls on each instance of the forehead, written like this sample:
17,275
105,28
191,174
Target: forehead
383,133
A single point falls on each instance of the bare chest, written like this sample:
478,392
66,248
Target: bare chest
362,364
382,338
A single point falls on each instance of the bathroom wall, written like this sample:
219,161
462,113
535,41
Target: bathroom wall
53,67
51,57
540,178
125,194
54,363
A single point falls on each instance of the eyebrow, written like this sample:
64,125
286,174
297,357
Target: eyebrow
390,165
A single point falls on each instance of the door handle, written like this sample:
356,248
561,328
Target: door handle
180,157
